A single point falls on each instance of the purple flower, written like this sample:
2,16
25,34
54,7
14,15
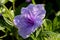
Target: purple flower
30,19
28,0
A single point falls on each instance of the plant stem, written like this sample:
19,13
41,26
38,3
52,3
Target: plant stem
14,6
42,28
33,2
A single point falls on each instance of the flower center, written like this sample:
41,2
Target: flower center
30,22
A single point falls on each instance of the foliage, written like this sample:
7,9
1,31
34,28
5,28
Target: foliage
50,29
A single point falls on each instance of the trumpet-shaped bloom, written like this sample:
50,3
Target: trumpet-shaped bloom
30,19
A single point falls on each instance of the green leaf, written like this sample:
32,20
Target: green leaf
48,24
8,16
3,36
11,11
1,39
8,21
2,28
58,37
12,0
33,37
45,38
0,10
3,1
37,32
56,22
49,35
8,13
58,14
53,36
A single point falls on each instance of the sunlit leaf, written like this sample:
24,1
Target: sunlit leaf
12,0
8,13
8,16
32,36
8,21
0,10
3,36
56,22
58,14
45,38
1,39
3,1
11,11
58,37
48,24
37,32
51,35
2,28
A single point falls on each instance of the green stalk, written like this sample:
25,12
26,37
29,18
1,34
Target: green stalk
33,2
14,6
42,28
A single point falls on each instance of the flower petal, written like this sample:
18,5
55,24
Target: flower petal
20,22
30,7
25,32
41,10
